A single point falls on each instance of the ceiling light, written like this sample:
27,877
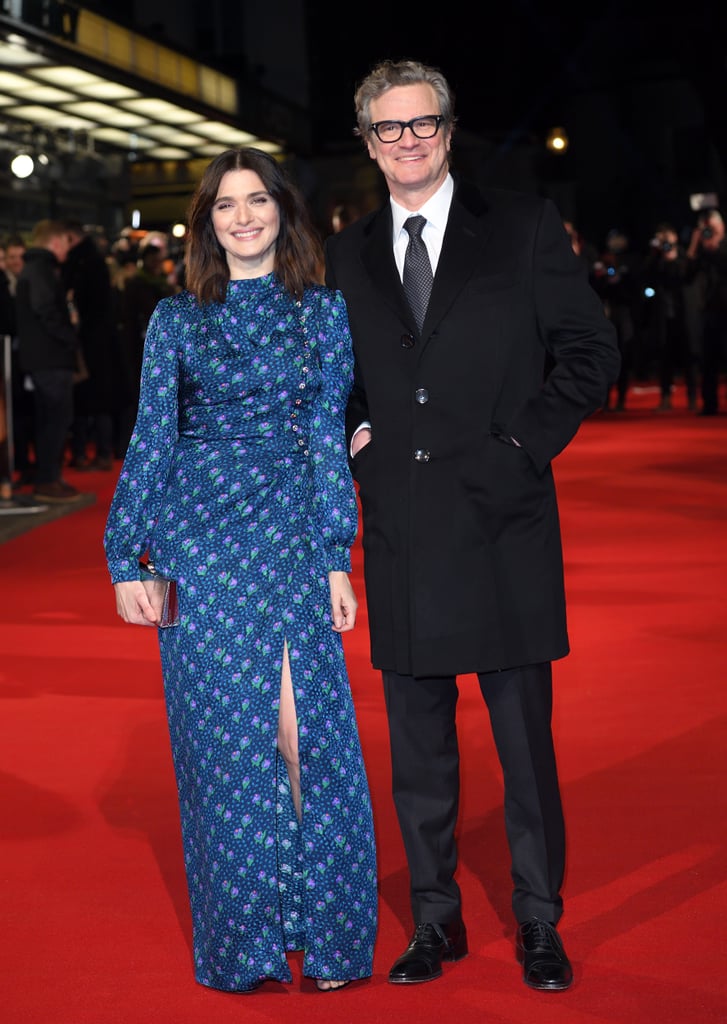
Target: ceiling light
11,82
167,153
22,165
103,113
160,110
123,139
57,118
224,134
37,93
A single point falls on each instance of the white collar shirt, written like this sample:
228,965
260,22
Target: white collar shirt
436,211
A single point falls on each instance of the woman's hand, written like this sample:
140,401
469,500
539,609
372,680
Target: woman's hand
343,602
133,605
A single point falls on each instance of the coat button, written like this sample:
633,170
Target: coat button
422,455
407,341
422,396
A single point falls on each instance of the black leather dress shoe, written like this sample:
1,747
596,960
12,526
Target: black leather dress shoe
540,951
429,946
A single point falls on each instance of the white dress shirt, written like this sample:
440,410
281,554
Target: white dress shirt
436,211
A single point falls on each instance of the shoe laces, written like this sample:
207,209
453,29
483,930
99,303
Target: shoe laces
428,934
542,935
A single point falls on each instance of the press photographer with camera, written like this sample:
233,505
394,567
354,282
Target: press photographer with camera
616,277
665,271
707,258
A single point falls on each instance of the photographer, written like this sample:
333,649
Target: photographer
616,278
707,257
665,271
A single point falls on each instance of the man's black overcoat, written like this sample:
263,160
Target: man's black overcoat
461,536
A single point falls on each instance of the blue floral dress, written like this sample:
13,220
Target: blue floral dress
237,483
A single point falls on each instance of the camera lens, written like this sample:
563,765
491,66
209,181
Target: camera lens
666,247
707,232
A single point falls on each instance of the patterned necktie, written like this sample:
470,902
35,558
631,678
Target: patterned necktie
417,278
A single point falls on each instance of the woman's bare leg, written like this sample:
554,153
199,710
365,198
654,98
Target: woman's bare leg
288,747
288,732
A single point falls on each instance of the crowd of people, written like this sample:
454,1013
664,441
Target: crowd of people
74,309
438,353
667,299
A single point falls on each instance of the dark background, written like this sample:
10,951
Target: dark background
639,88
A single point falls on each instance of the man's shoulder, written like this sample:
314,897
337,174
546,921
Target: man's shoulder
483,198
34,257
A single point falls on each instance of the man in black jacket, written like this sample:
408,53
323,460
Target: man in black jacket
707,261
48,354
7,330
87,278
453,427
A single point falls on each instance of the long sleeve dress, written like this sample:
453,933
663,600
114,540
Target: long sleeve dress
236,482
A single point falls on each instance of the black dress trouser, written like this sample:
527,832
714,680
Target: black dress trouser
425,785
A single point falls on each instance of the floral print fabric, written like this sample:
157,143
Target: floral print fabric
236,481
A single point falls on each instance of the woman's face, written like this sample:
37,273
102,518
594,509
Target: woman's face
246,221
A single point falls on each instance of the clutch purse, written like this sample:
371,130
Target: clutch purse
162,594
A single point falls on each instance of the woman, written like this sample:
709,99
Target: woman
236,483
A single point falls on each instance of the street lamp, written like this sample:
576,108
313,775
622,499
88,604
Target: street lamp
557,141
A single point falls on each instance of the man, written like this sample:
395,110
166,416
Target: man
22,397
616,276
7,330
665,270
707,260
87,278
14,260
138,300
453,430
48,354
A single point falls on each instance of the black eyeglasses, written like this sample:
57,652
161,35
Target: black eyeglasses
422,127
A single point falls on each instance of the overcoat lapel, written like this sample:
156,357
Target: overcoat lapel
466,234
377,256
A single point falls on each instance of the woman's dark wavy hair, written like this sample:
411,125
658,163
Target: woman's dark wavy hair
298,251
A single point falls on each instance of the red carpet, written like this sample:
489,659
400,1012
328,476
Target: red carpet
95,926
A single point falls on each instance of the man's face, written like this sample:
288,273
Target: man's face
14,259
414,168
60,246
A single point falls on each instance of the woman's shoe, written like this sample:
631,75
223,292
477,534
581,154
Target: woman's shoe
324,985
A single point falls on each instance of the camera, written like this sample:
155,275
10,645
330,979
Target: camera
707,232
661,244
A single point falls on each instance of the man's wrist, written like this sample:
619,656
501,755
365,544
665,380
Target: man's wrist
353,447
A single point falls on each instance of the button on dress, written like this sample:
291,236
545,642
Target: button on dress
236,481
